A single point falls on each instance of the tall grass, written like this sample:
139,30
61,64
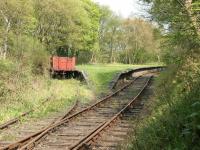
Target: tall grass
21,90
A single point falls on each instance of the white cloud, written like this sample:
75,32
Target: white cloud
123,7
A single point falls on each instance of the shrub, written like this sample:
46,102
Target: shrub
7,68
30,52
175,122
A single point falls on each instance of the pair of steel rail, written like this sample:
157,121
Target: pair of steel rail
30,141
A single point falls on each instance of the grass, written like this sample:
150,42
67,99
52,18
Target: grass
64,94
60,94
26,91
101,74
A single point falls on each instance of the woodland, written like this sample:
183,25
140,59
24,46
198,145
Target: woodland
99,35
32,30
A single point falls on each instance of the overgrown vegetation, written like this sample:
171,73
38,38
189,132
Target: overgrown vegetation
32,30
175,120
22,91
30,27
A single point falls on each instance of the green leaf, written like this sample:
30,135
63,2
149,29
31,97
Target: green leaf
196,104
194,115
198,127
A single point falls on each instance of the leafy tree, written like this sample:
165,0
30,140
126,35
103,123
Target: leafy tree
140,41
110,27
82,25
61,23
127,40
14,18
182,30
91,33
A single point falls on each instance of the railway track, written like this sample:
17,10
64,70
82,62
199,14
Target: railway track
83,124
15,120
109,134
33,130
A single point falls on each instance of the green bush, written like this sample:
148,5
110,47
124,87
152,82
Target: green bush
7,69
30,52
39,60
175,122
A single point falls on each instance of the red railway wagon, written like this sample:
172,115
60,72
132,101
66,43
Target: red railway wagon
62,66
63,63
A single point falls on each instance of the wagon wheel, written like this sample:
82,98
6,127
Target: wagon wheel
52,74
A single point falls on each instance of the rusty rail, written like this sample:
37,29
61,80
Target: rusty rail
24,141
83,142
17,119
30,141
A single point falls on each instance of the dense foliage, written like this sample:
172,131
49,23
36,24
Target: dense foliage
175,123
129,40
28,27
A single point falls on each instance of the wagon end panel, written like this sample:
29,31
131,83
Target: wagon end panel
73,59
55,63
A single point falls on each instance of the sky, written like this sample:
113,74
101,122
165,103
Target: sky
123,7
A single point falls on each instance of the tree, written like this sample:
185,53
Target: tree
127,40
178,87
109,30
14,15
92,31
61,23
193,17
106,14
140,40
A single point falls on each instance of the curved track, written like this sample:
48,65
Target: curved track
77,129
83,124
86,142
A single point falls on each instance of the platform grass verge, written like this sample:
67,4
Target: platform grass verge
101,74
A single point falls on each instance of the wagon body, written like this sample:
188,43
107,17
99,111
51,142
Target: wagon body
64,68
63,63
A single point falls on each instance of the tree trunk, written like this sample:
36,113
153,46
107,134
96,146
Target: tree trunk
158,57
135,52
111,50
188,6
5,49
1,52
5,40
93,59
111,45
127,56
